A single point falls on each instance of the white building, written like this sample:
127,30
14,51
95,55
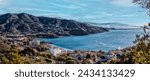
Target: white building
54,50
34,43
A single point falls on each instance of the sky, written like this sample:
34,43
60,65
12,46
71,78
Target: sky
97,11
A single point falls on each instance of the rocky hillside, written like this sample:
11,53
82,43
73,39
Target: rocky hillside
28,24
4,46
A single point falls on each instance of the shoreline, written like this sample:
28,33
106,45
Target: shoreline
52,44
61,47
104,41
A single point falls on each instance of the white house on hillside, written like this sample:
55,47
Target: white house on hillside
34,42
54,50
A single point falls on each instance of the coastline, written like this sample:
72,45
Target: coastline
52,44
107,41
48,52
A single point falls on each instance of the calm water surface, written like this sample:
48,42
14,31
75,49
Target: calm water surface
113,39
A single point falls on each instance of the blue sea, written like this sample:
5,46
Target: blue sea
106,41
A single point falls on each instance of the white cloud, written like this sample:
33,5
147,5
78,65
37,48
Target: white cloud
123,3
65,6
77,2
34,9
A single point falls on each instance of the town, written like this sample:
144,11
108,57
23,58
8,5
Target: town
33,50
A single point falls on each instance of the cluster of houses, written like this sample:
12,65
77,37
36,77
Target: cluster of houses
55,50
20,39
16,39
89,57
114,54
109,55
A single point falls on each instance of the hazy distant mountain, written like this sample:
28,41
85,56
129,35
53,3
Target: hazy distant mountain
26,23
115,25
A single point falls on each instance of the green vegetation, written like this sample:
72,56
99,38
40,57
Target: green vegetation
143,4
139,54
4,46
11,58
28,55
71,62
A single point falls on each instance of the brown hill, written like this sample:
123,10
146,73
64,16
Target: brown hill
28,24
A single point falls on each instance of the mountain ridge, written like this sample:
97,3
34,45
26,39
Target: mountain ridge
115,25
23,23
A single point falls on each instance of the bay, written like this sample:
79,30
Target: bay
106,41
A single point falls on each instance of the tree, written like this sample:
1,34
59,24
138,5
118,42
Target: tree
71,62
139,55
143,4
11,58
88,56
4,47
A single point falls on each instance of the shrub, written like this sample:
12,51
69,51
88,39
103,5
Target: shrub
11,58
71,62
